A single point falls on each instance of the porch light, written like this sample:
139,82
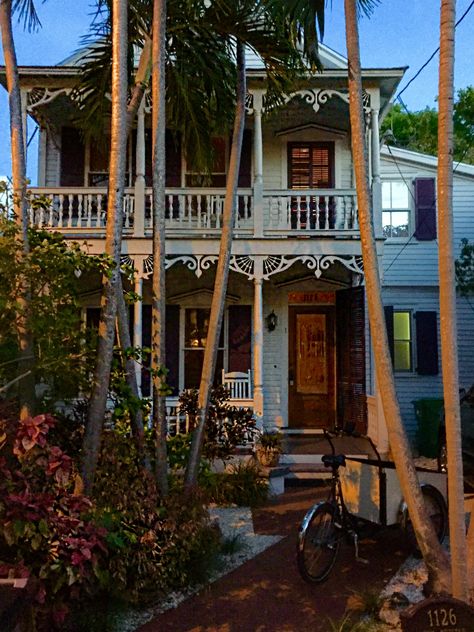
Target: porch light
271,321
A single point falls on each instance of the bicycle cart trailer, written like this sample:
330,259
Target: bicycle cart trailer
364,491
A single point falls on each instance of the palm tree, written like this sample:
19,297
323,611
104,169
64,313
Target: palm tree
158,309
18,152
447,302
267,29
434,556
113,242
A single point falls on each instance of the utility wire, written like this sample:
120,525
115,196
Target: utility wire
435,52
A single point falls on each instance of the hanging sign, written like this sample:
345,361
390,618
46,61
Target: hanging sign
312,298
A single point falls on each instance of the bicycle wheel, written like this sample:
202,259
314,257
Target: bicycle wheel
437,511
318,542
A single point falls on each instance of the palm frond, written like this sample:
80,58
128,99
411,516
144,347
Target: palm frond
27,14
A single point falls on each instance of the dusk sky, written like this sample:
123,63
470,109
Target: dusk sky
399,33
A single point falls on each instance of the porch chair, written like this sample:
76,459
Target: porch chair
238,384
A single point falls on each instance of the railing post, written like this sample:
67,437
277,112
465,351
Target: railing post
258,341
258,164
139,215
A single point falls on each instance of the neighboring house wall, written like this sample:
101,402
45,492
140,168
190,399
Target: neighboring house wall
410,276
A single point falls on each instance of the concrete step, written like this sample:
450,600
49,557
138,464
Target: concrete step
307,471
312,459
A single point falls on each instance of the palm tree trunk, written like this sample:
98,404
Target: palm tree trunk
18,153
434,556
447,302
136,418
222,273
158,309
113,244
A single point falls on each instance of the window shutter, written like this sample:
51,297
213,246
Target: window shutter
425,209
173,159
245,170
240,338
427,343
388,309
72,158
172,347
351,385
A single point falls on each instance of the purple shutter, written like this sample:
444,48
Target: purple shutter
425,209
350,351
173,160
245,171
172,347
72,158
427,343
240,338
388,309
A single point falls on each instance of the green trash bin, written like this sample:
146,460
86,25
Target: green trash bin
428,413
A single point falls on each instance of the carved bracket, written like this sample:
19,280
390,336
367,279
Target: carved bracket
42,96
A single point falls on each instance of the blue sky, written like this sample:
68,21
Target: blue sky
399,33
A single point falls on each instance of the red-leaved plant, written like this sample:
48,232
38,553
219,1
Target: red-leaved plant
46,532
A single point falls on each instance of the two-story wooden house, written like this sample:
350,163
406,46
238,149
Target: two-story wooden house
295,320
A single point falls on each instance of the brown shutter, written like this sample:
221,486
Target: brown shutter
427,343
425,209
72,158
311,165
240,338
350,332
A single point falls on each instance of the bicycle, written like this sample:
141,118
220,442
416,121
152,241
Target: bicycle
328,522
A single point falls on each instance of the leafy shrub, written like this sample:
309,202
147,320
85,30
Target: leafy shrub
242,484
155,544
45,529
227,426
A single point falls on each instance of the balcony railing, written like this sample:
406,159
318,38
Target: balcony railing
198,211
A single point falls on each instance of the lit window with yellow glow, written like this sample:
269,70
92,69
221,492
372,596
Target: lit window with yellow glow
402,341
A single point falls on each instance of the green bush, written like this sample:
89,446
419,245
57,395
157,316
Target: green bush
226,427
242,484
155,544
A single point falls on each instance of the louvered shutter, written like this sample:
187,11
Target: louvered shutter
351,383
72,158
388,309
240,338
245,170
427,343
311,165
172,347
173,160
425,209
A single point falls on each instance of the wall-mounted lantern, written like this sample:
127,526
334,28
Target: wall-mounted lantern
271,321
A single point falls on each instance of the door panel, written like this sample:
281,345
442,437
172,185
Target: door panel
311,388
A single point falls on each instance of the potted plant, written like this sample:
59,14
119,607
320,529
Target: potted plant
268,447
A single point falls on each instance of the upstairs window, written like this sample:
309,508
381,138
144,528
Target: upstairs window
310,165
217,176
395,209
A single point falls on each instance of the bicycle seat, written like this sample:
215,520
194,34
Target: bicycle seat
334,460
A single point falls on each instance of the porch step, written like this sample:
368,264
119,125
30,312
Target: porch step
307,471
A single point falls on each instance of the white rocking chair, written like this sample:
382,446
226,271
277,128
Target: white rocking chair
238,384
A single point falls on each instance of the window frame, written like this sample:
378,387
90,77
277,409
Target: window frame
409,209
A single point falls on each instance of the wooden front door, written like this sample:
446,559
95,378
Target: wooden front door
311,371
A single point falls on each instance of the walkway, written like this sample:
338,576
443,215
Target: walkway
266,594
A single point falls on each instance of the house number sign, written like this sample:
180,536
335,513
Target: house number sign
438,615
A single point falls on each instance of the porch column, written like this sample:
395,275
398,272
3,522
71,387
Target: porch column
258,164
137,323
139,215
376,184
258,342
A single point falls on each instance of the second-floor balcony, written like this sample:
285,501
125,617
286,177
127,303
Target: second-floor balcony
197,212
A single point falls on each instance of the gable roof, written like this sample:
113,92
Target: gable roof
423,160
